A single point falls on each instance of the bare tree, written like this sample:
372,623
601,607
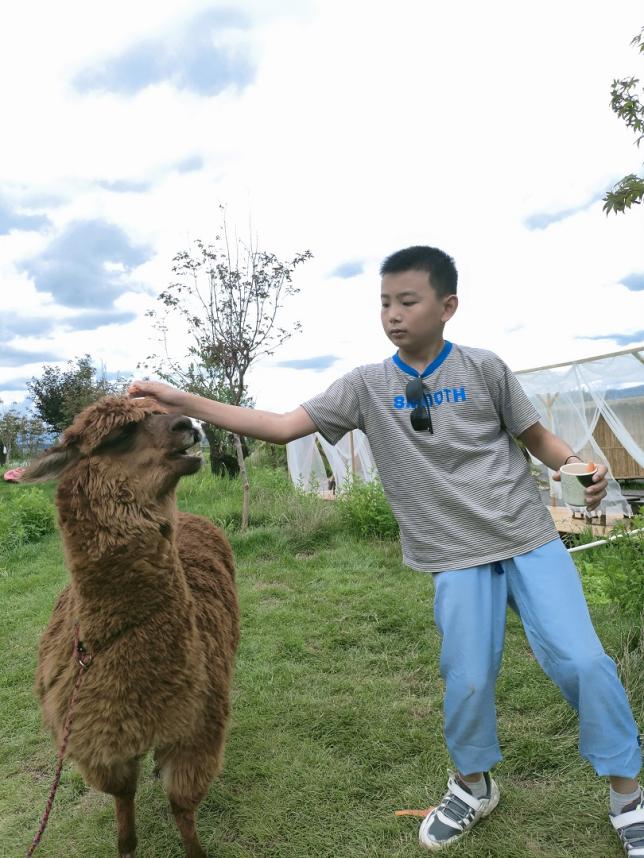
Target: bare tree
229,295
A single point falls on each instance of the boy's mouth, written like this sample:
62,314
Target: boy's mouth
396,332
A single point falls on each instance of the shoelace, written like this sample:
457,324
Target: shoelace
633,836
456,809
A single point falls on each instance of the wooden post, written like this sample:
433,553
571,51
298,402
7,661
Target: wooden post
243,473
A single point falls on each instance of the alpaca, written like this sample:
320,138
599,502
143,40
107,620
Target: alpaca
152,594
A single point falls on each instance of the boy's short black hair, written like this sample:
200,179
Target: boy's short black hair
439,266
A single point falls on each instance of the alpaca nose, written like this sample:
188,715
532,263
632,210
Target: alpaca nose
187,424
197,430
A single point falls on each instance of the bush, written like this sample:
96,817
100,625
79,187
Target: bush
623,566
365,510
25,516
269,456
302,519
630,662
615,572
593,578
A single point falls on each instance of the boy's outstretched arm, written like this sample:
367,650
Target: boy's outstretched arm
553,452
265,425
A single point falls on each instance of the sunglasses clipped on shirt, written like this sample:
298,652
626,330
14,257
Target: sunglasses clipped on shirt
421,419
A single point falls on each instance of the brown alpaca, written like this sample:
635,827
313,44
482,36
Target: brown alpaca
153,593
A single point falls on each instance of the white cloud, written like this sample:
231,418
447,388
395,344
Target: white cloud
368,127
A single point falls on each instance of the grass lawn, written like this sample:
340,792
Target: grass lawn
336,716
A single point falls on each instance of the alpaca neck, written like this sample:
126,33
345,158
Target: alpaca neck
104,516
120,583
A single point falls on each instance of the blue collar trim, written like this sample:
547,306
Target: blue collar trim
438,360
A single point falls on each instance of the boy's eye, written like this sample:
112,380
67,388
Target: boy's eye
408,303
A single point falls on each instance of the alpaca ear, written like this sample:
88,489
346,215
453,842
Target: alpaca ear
51,464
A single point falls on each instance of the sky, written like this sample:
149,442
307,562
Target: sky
347,128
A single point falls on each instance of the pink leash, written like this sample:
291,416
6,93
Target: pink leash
84,660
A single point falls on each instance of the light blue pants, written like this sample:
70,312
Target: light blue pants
543,587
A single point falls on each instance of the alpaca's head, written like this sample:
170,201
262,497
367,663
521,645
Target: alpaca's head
120,444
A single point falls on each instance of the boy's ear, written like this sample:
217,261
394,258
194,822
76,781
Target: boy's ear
450,305
51,464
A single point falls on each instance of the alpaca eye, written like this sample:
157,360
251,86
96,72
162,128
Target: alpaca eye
118,438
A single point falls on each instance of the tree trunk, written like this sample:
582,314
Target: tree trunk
243,473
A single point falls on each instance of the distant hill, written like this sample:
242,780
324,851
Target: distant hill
625,392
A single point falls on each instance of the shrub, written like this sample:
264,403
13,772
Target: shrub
593,578
11,532
312,521
365,510
35,513
25,516
615,572
630,662
269,456
303,519
622,561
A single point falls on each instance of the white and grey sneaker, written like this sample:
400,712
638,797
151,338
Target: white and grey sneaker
457,813
630,826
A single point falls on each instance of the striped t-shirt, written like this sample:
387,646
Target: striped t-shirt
464,495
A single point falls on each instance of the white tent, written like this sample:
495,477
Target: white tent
595,404
350,457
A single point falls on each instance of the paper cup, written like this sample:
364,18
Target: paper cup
574,480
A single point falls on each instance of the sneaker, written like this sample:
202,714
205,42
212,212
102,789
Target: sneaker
457,813
630,826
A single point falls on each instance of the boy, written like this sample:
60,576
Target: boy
440,420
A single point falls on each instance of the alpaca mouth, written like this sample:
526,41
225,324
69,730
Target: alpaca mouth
192,451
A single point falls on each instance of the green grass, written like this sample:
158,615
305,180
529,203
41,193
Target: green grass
337,709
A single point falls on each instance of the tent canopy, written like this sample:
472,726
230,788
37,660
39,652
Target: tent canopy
596,405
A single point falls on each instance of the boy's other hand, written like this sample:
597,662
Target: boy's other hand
596,493
169,397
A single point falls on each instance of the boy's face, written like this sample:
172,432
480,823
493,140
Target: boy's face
412,314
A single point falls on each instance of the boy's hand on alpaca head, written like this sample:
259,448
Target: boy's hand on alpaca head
167,396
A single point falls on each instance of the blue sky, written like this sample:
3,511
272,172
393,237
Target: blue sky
348,128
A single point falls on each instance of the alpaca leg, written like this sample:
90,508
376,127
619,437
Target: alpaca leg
126,825
185,820
186,774
119,781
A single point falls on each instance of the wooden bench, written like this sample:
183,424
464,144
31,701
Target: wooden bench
601,525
